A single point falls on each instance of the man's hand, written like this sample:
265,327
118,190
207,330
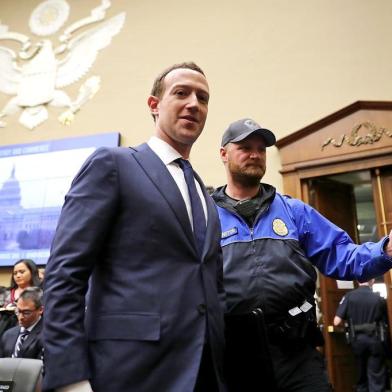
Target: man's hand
337,321
82,386
388,246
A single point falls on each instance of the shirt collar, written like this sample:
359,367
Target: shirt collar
165,151
31,326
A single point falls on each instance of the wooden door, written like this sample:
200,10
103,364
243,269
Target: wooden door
382,194
336,202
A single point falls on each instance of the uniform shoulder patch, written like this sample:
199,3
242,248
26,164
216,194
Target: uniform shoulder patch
342,300
279,227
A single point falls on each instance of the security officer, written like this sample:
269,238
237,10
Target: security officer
271,245
366,314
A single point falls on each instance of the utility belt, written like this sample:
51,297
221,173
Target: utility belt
295,330
367,328
291,330
377,329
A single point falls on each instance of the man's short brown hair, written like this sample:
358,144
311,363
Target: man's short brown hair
158,86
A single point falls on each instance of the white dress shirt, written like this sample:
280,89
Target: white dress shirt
32,325
168,155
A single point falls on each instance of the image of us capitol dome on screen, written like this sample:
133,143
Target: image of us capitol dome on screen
34,179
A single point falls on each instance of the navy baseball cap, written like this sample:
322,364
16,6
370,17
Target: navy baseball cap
241,129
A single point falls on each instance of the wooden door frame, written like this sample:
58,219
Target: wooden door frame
340,360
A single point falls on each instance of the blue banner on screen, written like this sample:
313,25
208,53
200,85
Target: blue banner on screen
34,179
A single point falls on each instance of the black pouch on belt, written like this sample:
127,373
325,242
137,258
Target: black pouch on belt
248,365
296,331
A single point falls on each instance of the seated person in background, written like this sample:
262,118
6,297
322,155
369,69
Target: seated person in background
24,341
41,274
3,295
24,274
7,315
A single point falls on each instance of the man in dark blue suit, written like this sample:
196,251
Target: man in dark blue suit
24,341
154,317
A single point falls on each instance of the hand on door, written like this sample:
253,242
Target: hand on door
388,246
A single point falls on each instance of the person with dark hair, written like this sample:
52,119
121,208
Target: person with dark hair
272,245
159,85
24,274
139,225
41,274
24,341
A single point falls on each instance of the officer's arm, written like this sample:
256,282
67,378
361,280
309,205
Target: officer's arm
331,250
337,321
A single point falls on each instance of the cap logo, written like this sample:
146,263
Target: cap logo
252,125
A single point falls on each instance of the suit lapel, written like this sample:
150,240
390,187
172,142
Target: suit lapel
13,339
32,337
156,170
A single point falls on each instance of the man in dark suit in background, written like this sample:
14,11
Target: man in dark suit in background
147,237
24,341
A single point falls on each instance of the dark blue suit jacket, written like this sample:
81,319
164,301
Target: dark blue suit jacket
31,348
152,299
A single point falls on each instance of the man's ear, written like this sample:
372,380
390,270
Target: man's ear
223,154
153,103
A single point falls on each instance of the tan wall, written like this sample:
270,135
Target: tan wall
284,63
5,276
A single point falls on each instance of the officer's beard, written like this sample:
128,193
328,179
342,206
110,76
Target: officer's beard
247,176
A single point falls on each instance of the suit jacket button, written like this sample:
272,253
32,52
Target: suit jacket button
201,308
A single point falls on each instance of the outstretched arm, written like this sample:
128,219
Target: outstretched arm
332,251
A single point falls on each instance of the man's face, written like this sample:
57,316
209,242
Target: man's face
27,313
245,160
180,113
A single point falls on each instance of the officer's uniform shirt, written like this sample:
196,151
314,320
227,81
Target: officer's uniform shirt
362,306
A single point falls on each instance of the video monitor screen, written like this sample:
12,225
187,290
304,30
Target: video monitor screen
34,179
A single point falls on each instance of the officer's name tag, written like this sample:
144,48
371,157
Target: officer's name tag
229,233
6,386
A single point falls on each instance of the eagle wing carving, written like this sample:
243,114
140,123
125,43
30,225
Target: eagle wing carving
10,73
84,48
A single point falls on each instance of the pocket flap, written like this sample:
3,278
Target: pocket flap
125,326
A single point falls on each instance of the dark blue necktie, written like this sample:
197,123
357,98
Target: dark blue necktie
199,220
19,343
